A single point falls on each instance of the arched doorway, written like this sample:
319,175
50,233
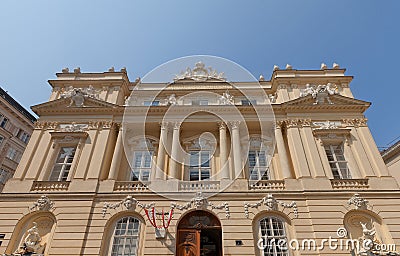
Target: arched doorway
199,234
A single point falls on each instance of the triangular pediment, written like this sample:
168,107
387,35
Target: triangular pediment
70,105
329,100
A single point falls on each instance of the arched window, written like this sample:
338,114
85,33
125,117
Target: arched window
125,238
272,232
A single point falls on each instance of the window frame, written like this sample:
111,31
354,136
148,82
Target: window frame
64,164
138,234
141,168
199,166
284,235
339,172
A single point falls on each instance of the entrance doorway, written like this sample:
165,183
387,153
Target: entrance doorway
199,234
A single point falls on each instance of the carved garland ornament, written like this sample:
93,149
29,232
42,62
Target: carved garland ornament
128,203
200,74
200,202
272,205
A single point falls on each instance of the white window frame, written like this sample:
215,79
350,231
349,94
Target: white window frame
123,233
64,172
198,167
337,161
3,121
258,171
141,169
277,229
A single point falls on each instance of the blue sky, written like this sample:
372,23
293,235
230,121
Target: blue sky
39,38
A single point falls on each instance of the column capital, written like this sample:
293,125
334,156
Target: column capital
177,125
221,125
164,124
234,124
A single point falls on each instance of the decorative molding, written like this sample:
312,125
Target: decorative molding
272,205
200,74
355,122
234,124
327,124
42,204
128,203
291,123
201,202
73,127
359,202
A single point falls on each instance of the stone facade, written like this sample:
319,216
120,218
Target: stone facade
75,190
16,127
391,157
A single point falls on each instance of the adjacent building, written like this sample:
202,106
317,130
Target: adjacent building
391,156
88,184
16,127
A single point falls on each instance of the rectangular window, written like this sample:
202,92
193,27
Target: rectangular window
199,165
1,140
151,103
12,153
337,161
4,176
200,102
3,122
248,102
63,164
258,166
23,136
141,166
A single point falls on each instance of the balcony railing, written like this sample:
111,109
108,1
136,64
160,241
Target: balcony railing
136,186
349,183
203,185
50,186
267,185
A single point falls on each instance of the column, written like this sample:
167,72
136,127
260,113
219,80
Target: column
237,158
159,172
282,153
173,164
116,159
296,149
224,165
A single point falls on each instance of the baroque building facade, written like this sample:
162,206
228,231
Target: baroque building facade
16,127
86,185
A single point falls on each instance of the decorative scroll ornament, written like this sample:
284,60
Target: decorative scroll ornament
320,93
272,205
200,74
171,100
359,202
200,202
42,204
128,203
78,95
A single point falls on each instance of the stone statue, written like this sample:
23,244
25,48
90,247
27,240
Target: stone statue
226,99
171,100
31,242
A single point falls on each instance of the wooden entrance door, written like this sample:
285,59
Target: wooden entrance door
189,242
199,234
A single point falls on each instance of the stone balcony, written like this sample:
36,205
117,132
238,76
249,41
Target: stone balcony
203,185
136,186
275,185
342,184
49,186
